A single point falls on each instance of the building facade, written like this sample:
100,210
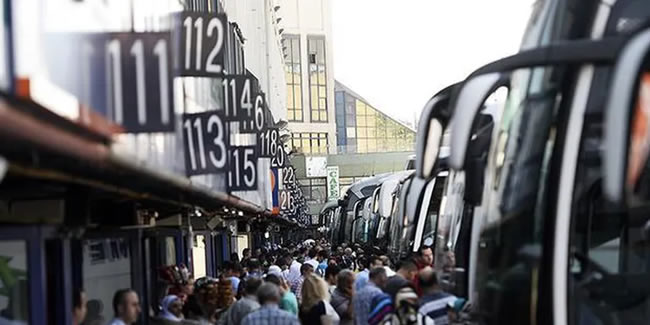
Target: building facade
309,73
361,128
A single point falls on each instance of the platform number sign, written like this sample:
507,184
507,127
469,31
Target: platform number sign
202,39
288,176
287,202
268,143
242,174
280,158
238,97
254,120
206,143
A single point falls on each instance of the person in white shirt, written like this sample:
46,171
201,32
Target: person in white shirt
126,306
294,271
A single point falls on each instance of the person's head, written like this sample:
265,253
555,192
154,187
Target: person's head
246,252
323,255
345,281
234,257
207,294
426,255
173,305
339,250
312,253
348,251
80,306
191,308
314,290
126,305
278,281
252,285
385,261
330,274
258,252
268,293
374,262
408,269
306,269
254,265
428,280
236,270
378,276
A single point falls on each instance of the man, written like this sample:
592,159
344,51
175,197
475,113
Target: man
434,301
342,297
126,307
80,306
233,272
426,257
246,255
373,262
254,269
323,259
288,301
296,287
246,305
348,260
376,281
294,268
405,275
330,277
268,296
311,258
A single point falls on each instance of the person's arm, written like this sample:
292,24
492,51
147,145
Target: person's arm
349,313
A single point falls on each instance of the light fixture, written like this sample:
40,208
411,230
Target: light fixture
241,213
277,21
276,8
225,210
285,137
280,31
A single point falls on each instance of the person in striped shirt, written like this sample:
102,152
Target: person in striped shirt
434,301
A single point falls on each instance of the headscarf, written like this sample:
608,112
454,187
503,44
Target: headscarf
165,313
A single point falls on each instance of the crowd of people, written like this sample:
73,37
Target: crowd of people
308,283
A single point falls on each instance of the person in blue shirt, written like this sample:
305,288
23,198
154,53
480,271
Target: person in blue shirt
372,263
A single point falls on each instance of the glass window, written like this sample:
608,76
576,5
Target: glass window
527,132
309,143
294,77
106,268
352,132
317,78
198,257
14,290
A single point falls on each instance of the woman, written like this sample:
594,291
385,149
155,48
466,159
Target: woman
172,308
214,297
316,308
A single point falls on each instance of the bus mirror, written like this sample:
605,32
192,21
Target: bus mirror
433,122
470,100
626,147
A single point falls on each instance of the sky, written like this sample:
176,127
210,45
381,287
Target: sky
397,54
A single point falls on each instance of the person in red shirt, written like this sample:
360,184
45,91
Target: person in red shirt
423,260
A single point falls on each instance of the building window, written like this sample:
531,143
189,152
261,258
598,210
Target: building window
310,143
317,79
314,189
294,78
